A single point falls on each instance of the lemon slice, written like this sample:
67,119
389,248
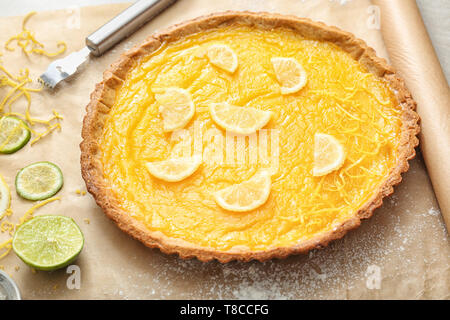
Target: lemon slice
5,196
174,170
241,120
223,57
247,195
176,108
329,154
290,74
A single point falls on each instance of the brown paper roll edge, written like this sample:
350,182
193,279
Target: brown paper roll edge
413,55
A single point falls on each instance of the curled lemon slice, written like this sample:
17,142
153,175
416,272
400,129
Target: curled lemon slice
223,57
329,154
5,196
176,108
174,170
290,74
247,195
241,120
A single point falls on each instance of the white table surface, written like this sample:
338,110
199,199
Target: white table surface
436,15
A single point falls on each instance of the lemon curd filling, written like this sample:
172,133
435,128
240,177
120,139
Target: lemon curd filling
341,98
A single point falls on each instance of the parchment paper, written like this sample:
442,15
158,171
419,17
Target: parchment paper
418,63
403,251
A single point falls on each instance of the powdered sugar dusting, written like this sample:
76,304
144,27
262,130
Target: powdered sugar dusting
401,252
391,240
433,212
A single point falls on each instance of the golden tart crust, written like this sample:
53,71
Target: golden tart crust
103,98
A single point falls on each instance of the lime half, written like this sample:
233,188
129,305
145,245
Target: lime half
48,242
5,196
39,181
14,134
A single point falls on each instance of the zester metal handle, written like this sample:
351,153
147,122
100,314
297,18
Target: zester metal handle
125,24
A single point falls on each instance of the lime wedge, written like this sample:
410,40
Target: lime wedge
39,181
14,134
48,242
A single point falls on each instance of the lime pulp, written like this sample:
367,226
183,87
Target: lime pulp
39,181
48,242
14,134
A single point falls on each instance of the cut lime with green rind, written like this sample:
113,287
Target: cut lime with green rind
48,242
14,134
39,181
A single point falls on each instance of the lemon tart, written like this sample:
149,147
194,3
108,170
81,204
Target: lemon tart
240,136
